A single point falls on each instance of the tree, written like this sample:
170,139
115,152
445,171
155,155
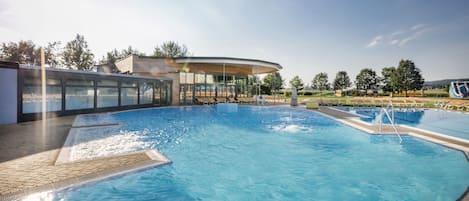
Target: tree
131,51
320,82
366,79
114,55
341,81
23,52
408,76
273,81
297,83
254,81
52,54
77,55
171,49
389,79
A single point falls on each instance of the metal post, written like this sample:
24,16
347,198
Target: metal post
392,113
44,94
224,80
43,87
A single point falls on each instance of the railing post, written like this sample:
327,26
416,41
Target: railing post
392,111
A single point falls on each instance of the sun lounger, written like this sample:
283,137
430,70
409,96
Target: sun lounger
454,105
232,100
246,100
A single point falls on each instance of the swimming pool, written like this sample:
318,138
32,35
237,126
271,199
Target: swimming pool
271,153
450,123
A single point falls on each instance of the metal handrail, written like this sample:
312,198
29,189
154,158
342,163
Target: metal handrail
390,118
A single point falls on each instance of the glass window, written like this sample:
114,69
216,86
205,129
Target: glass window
80,82
108,96
32,99
129,84
129,96
200,90
146,93
79,98
32,81
210,79
182,77
53,82
107,83
157,93
200,78
37,81
190,78
168,93
164,94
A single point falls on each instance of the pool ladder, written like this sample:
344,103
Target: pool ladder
384,111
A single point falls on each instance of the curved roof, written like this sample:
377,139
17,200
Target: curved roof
232,65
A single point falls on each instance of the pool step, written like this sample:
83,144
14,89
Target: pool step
353,121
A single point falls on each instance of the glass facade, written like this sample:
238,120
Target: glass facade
107,93
157,90
72,92
32,95
79,94
146,93
194,85
129,93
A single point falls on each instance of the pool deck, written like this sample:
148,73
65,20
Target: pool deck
28,153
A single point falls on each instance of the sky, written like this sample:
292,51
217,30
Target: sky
305,37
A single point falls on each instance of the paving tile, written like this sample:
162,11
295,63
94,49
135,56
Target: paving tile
27,157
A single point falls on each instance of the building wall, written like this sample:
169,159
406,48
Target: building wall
8,89
174,86
154,66
159,67
125,65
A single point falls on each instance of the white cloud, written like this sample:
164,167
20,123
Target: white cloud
397,33
393,42
417,26
376,41
399,38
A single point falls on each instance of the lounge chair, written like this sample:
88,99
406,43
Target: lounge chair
419,103
463,106
220,100
454,105
232,100
246,100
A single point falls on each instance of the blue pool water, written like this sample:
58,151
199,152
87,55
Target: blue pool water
263,153
450,123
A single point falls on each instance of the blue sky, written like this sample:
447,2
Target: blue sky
305,37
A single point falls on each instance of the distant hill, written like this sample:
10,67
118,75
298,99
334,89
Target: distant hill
441,83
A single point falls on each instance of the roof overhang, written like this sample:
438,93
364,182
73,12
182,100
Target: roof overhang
227,64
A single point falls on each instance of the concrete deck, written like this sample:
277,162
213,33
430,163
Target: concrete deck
28,154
